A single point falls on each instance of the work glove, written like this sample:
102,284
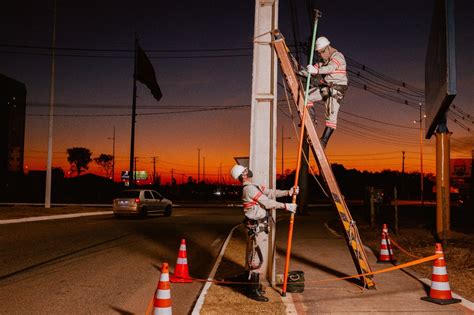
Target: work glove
293,191
312,69
291,207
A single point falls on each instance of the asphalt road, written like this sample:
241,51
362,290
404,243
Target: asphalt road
103,265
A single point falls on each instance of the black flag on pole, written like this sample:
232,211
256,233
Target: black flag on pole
146,74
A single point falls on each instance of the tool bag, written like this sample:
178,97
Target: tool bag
295,282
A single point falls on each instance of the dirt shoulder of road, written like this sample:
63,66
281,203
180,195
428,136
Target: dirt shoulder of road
19,212
420,242
230,298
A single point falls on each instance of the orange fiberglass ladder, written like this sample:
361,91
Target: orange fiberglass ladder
351,233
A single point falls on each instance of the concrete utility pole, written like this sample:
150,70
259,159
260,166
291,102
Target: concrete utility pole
49,163
263,122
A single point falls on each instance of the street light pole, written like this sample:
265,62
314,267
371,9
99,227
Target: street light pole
421,153
421,159
49,162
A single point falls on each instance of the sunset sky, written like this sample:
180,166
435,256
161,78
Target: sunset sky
94,81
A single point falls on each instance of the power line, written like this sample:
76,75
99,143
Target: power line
122,57
143,114
124,50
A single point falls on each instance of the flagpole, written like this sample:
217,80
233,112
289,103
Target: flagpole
131,178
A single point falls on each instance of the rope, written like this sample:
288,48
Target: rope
401,249
393,268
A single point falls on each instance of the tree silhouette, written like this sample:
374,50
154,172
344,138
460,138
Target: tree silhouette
79,158
106,161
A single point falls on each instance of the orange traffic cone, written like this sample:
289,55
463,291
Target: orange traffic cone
440,292
162,299
181,273
386,252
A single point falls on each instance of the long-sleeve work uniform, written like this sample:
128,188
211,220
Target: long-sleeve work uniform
334,73
257,200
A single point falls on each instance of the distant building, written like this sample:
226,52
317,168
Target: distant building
12,125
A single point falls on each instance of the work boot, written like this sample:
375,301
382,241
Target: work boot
254,292
325,137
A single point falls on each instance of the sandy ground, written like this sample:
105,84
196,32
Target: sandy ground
231,299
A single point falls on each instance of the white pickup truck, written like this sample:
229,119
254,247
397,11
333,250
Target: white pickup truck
141,202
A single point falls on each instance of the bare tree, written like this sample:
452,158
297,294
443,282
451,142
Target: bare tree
106,161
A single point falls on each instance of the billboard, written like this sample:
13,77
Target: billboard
440,65
460,168
137,175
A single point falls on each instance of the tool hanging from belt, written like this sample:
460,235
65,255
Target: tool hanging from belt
254,228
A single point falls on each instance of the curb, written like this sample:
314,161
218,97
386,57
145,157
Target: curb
202,296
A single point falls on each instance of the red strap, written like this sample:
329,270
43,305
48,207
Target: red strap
258,195
249,204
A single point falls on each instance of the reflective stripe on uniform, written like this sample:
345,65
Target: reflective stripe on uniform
258,195
336,62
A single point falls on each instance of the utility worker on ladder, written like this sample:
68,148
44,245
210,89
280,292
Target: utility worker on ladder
332,67
257,201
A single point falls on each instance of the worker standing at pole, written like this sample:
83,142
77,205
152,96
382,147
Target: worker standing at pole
332,67
257,201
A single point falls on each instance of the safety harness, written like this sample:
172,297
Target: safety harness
255,227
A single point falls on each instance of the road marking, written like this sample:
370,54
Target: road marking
202,296
54,217
289,304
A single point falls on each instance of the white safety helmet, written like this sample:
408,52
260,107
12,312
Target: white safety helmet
321,43
236,171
